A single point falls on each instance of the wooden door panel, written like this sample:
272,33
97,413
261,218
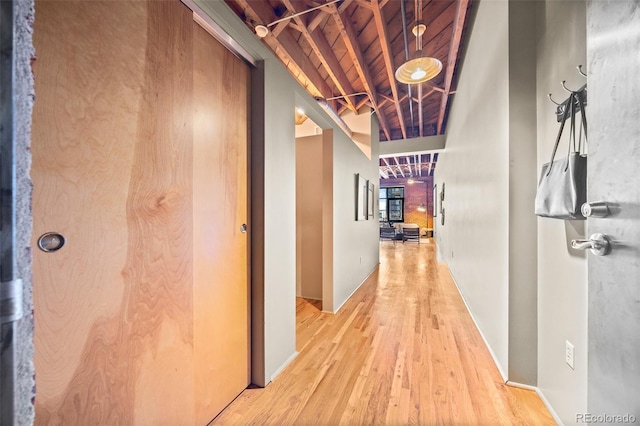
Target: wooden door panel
140,160
112,171
221,89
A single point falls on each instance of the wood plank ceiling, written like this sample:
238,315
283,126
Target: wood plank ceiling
347,52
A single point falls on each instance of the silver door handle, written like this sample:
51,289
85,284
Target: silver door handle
243,228
599,244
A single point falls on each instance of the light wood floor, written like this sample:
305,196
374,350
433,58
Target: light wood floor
402,350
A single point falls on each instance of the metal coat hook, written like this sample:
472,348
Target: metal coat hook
566,88
581,72
551,99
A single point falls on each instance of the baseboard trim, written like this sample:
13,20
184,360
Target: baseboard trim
504,376
544,400
546,403
309,298
521,386
283,366
356,289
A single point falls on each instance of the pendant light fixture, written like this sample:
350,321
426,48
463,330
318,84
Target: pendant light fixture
420,68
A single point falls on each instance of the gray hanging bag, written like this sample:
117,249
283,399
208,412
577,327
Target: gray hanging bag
562,188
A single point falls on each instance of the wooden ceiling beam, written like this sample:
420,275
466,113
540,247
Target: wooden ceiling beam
386,97
456,40
363,102
316,20
351,42
323,51
399,167
390,168
286,46
280,26
290,50
381,26
290,24
416,99
362,3
419,100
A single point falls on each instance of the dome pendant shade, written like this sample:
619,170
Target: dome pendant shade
418,70
261,31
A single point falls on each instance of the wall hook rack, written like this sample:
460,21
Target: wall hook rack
582,92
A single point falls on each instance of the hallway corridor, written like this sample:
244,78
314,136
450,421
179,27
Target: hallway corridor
402,350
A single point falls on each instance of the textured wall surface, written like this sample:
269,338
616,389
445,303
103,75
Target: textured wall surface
23,27
613,37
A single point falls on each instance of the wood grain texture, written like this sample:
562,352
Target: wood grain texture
112,172
402,350
115,171
221,314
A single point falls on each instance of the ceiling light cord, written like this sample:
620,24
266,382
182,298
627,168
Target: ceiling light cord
347,96
406,58
335,116
418,22
263,30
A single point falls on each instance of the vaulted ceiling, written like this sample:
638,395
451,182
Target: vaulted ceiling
347,52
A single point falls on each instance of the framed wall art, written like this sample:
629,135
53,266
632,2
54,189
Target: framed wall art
370,199
361,197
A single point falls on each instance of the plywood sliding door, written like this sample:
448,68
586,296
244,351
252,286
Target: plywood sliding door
221,90
123,311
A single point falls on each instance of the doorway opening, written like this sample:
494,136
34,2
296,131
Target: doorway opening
313,214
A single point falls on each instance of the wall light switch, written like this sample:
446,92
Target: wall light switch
569,353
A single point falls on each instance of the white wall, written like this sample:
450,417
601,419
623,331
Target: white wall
523,270
496,142
279,253
353,262
475,171
562,271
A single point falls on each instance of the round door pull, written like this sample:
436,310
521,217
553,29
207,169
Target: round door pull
51,241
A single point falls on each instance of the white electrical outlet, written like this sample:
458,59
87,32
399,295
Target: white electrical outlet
569,353
360,259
